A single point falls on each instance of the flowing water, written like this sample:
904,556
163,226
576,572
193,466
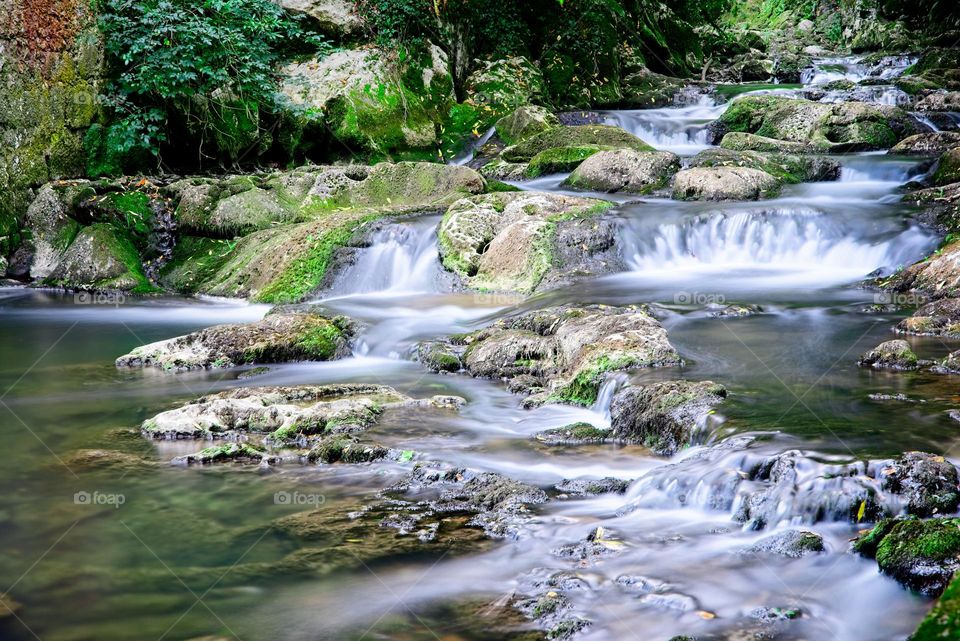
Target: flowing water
120,571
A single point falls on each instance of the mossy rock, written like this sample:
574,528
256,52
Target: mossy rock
559,159
948,168
102,257
921,554
790,168
602,136
525,122
943,621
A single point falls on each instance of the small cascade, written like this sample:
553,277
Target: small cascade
800,246
680,129
401,259
466,156
605,396
767,491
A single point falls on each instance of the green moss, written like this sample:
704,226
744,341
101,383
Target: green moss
195,261
495,186
943,621
345,449
585,386
948,168
226,452
604,136
306,275
559,160
321,342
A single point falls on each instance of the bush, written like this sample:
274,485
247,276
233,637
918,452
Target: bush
202,69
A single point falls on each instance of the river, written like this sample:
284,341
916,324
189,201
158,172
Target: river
791,370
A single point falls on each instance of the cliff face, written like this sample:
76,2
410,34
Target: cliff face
51,62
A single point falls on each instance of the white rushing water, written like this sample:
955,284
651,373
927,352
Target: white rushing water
680,129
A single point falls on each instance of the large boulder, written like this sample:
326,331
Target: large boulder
645,89
929,144
335,18
278,338
101,257
638,172
599,136
948,168
525,122
525,241
371,101
937,277
842,126
562,354
936,318
922,555
790,168
665,417
724,183
504,85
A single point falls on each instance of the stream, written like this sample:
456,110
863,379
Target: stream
791,371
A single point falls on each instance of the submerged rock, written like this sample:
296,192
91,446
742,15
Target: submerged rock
521,241
567,351
278,338
792,543
590,487
895,354
724,183
663,416
638,172
921,555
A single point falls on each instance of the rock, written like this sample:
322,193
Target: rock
559,160
411,98
286,263
736,311
524,241
335,18
104,459
943,621
948,168
600,543
792,543
895,354
506,84
592,487
842,126
645,89
921,555
525,122
931,144
789,168
737,141
601,136
928,482
724,183
343,448
278,338
573,434
663,416
101,257
939,101
638,172
568,350
222,453
438,356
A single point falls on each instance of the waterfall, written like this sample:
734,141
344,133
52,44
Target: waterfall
796,246
401,259
681,129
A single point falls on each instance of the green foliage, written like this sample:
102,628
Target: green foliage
188,64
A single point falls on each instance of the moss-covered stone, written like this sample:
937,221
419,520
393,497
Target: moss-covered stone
843,126
943,621
559,160
277,338
638,172
346,449
948,168
101,257
222,453
525,122
789,168
921,554
602,136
